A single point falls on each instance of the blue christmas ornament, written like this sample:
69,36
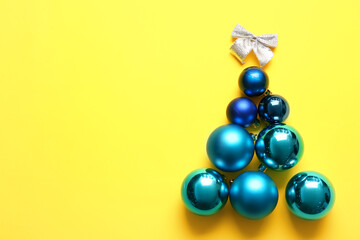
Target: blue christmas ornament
241,111
230,148
253,194
253,81
204,191
279,147
274,109
309,195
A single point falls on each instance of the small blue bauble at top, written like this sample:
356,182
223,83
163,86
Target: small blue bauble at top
279,147
230,148
253,194
273,109
204,191
241,111
309,195
253,81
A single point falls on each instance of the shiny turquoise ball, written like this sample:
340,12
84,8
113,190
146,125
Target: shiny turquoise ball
204,191
279,147
309,195
253,194
230,148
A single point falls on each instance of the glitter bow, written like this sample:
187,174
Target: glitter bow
246,41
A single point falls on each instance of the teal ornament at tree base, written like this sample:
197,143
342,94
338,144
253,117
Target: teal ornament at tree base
204,191
253,194
310,195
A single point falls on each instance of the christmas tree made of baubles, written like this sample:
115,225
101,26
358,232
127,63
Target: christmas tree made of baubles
279,147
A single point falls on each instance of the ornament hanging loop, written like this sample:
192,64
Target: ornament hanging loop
268,92
262,168
253,136
256,124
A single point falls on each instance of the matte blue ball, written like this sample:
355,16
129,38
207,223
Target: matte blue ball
254,194
204,191
230,148
253,81
274,109
309,195
241,111
279,147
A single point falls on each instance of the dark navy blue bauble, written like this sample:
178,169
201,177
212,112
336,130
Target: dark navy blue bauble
253,81
241,111
253,194
274,109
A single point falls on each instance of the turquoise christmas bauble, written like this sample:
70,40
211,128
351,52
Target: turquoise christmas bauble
310,195
204,191
279,147
253,194
230,148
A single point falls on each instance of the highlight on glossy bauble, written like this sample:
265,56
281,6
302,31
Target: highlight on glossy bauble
309,195
279,147
253,81
241,111
273,109
230,148
253,194
204,191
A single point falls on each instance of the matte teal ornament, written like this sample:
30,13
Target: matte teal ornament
279,147
230,148
309,195
253,194
204,191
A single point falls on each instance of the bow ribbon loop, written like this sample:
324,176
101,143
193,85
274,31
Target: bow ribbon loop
247,41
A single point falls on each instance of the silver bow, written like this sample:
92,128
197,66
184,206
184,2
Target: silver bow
246,41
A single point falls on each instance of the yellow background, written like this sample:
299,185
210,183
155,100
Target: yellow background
105,107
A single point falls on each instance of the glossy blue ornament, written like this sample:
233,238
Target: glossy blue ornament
230,148
273,109
279,147
253,194
253,81
241,111
204,191
309,195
